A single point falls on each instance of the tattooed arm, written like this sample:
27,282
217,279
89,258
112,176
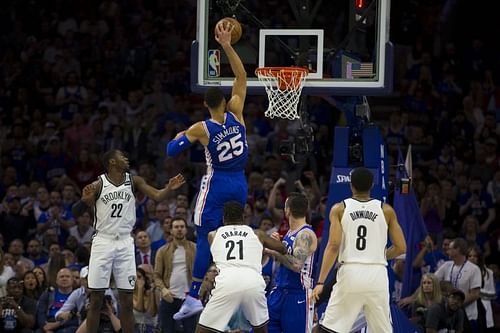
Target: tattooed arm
304,245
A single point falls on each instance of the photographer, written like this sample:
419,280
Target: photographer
109,322
17,312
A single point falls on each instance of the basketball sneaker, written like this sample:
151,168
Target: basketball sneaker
190,307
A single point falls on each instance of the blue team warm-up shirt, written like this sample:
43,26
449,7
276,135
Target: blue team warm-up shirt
226,155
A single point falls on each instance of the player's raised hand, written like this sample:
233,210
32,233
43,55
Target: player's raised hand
316,293
88,193
223,33
175,182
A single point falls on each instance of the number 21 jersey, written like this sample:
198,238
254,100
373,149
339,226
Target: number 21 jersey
227,148
364,232
237,247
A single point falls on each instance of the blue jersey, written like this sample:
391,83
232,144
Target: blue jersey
227,148
289,279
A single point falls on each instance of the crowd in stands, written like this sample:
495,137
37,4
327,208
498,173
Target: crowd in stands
78,78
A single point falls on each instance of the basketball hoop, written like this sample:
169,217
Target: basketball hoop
283,86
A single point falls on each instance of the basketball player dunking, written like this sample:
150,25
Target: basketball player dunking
237,252
226,150
358,236
113,201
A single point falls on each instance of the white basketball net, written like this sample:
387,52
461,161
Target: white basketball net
283,87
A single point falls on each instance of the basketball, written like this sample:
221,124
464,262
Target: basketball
237,31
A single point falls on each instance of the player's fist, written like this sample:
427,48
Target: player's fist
316,293
175,182
276,236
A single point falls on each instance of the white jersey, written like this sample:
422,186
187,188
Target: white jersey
115,207
237,246
364,232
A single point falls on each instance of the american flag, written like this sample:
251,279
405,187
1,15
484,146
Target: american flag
360,70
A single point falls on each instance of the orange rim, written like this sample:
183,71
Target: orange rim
274,70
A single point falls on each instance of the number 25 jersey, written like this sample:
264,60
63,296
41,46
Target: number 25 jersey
227,148
364,232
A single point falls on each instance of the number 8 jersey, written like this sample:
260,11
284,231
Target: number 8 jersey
114,211
364,232
227,148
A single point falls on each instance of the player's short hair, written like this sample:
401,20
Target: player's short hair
362,179
214,97
233,212
298,204
108,156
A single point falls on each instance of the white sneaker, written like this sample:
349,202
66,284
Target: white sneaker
190,307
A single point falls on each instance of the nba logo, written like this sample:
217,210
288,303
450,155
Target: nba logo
213,63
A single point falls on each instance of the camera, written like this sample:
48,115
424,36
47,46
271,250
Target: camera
105,301
301,144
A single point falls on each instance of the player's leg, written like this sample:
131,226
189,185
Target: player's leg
254,308
275,303
219,310
126,310
100,264
94,311
207,217
298,314
124,273
342,309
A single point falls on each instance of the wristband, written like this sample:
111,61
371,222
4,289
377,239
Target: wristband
320,283
177,146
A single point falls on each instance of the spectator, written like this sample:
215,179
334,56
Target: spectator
109,322
428,294
34,252
82,231
447,316
463,275
41,277
487,292
145,304
154,229
77,302
167,235
32,288
57,218
13,222
51,301
478,202
6,272
172,275
143,252
17,312
430,258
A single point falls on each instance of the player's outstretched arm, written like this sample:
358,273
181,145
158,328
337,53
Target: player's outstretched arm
238,95
270,243
89,196
305,244
332,249
396,235
155,194
185,139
